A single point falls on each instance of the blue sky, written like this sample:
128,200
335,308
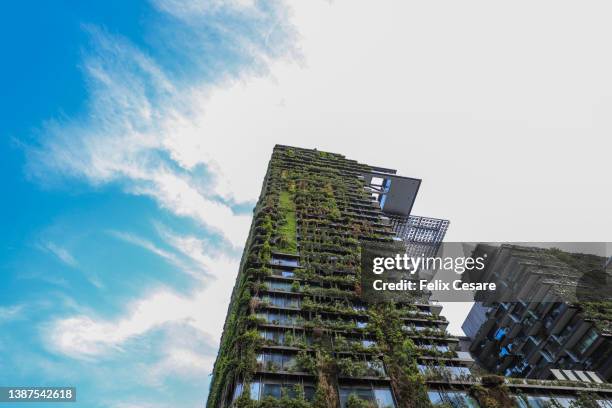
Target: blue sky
112,243
134,138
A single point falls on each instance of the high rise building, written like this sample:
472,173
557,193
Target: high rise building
545,328
297,333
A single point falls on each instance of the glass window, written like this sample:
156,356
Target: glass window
442,347
277,389
368,343
586,341
277,336
273,390
276,260
361,392
459,372
375,367
289,362
309,392
284,286
456,399
545,401
381,396
237,391
434,397
565,402
255,386
384,397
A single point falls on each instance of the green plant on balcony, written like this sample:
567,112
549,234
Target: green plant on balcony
353,401
351,368
306,362
272,366
400,356
287,231
492,393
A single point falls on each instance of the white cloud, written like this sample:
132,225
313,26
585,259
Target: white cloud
181,362
61,253
140,132
10,313
190,9
86,336
148,245
188,253
500,110
66,257
183,198
190,246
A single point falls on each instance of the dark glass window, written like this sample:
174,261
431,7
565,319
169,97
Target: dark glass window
585,342
273,390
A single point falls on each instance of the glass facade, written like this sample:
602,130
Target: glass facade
381,396
455,399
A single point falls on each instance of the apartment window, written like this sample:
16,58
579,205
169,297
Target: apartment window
282,301
585,342
276,285
543,401
604,403
277,318
273,361
456,399
260,390
381,396
368,343
553,314
375,368
457,372
439,347
237,391
272,390
282,261
529,346
565,333
275,336
384,397
442,347
283,273
425,312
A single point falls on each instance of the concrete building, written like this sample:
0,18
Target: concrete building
543,328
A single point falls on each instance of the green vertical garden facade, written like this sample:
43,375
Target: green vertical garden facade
297,333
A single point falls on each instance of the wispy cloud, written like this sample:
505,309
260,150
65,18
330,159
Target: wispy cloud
185,251
149,246
10,313
61,253
89,336
140,129
66,257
